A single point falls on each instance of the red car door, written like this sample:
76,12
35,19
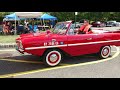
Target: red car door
58,41
81,44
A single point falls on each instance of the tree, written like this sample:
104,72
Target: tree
94,16
2,14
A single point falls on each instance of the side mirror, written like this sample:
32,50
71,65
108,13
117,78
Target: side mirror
48,31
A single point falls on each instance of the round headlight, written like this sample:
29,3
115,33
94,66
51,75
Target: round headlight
20,45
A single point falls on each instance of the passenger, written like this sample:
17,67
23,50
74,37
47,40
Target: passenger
26,30
85,28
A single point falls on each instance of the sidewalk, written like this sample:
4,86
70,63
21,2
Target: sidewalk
7,45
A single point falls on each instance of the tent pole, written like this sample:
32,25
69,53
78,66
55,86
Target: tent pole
18,22
44,22
37,21
15,27
41,23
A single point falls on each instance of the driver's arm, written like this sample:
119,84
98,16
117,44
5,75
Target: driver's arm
81,29
89,31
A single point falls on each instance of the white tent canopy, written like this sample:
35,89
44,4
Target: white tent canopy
29,14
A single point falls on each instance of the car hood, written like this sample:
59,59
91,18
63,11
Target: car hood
32,34
26,35
36,35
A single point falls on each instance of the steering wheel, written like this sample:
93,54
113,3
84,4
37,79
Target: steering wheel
61,32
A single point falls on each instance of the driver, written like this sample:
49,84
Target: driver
85,28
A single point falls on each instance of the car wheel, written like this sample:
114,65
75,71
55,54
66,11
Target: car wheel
52,57
105,52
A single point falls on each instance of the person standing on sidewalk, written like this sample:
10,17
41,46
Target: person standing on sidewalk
6,28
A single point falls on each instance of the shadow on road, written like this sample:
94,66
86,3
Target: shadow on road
66,60
10,67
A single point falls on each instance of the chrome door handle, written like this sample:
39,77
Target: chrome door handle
89,39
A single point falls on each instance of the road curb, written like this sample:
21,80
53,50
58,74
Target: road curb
8,45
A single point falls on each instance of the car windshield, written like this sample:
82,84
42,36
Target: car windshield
60,28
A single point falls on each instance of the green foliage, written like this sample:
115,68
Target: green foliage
92,16
2,14
8,38
66,16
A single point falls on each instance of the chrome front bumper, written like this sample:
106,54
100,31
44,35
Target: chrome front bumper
20,50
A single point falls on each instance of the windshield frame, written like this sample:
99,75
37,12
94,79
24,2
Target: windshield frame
69,23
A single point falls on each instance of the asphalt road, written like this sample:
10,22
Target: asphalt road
107,69
16,65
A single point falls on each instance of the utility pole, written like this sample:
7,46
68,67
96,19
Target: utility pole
15,33
76,13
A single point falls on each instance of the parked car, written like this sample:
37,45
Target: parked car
72,27
77,24
1,22
98,24
111,23
52,46
1,29
81,22
118,24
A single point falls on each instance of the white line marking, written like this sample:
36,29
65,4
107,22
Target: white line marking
21,61
8,50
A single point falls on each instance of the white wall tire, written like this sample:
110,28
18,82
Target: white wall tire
52,58
105,52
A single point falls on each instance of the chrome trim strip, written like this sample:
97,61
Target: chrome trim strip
41,47
45,47
92,43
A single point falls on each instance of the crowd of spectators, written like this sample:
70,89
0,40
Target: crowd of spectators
8,28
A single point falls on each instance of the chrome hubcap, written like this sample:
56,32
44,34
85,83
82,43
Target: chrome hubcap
53,57
105,51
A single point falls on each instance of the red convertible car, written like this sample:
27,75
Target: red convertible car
51,46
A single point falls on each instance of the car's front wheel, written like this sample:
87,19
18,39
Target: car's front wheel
52,57
105,52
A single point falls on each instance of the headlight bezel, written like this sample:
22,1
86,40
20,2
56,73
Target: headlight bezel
19,44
